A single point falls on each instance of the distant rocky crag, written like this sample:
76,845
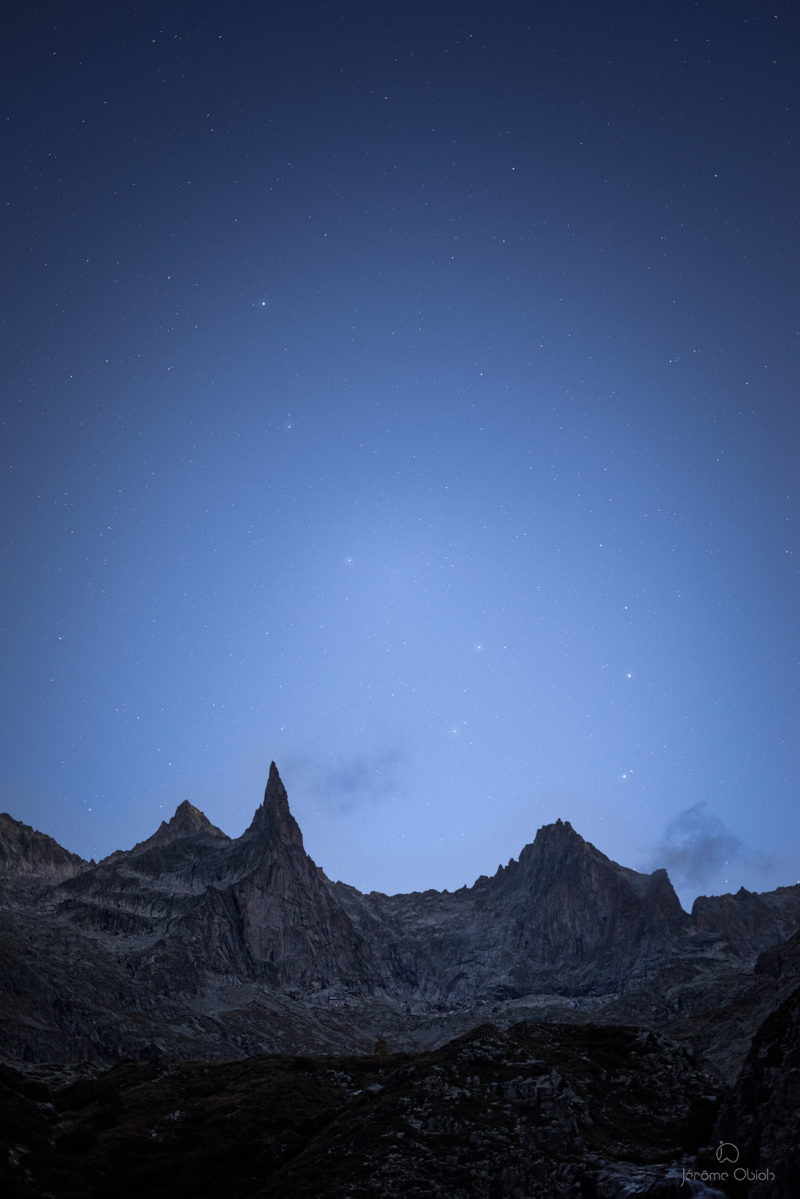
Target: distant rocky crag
193,944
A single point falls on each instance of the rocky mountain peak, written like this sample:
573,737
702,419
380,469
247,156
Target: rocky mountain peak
273,821
569,875
559,832
188,821
554,843
25,852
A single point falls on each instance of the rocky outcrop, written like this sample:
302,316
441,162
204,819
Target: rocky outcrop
735,1004
749,922
760,1114
188,821
28,854
297,934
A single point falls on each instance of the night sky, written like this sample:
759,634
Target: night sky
409,394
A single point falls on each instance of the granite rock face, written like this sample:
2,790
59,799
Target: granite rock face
193,944
564,919
749,921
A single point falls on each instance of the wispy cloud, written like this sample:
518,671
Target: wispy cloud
702,855
696,844
347,782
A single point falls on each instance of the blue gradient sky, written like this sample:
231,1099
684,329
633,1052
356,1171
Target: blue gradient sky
408,394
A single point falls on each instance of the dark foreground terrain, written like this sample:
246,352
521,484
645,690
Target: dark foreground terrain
534,1110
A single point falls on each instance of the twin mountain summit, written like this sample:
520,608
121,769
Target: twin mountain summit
194,946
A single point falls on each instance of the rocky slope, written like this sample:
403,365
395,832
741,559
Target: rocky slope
26,853
535,1110
760,1113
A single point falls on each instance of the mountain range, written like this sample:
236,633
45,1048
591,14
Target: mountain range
196,946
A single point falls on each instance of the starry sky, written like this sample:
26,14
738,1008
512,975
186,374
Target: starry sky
409,394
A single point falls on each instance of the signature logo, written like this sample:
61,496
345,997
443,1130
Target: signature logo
727,1152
